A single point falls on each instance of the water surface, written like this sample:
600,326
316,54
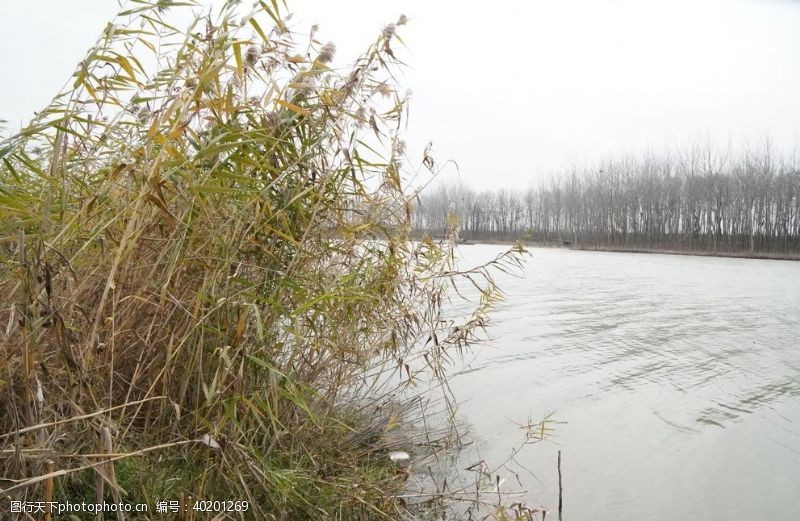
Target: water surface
678,378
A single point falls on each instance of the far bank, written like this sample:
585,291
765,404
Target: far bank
630,249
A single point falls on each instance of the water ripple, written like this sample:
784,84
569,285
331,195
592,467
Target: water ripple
683,369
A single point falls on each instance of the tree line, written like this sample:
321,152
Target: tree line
699,199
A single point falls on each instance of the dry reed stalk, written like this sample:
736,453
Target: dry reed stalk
206,241
560,488
49,466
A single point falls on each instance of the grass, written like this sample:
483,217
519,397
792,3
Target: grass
206,280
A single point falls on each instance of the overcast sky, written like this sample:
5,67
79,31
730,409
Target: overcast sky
514,90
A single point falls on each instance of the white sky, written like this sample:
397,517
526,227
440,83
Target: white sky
513,90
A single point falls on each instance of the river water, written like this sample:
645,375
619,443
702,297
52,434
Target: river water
677,380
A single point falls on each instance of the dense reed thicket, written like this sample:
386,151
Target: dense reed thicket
695,200
207,287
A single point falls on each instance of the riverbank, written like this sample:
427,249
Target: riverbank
697,253
738,255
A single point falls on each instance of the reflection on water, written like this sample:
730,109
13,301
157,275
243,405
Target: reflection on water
678,379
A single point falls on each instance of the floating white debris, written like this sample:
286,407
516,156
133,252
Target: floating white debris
400,458
211,442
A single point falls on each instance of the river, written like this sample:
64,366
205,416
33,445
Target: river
676,380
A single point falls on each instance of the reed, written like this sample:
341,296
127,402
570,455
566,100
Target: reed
208,288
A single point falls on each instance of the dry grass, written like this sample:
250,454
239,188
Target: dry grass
206,266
